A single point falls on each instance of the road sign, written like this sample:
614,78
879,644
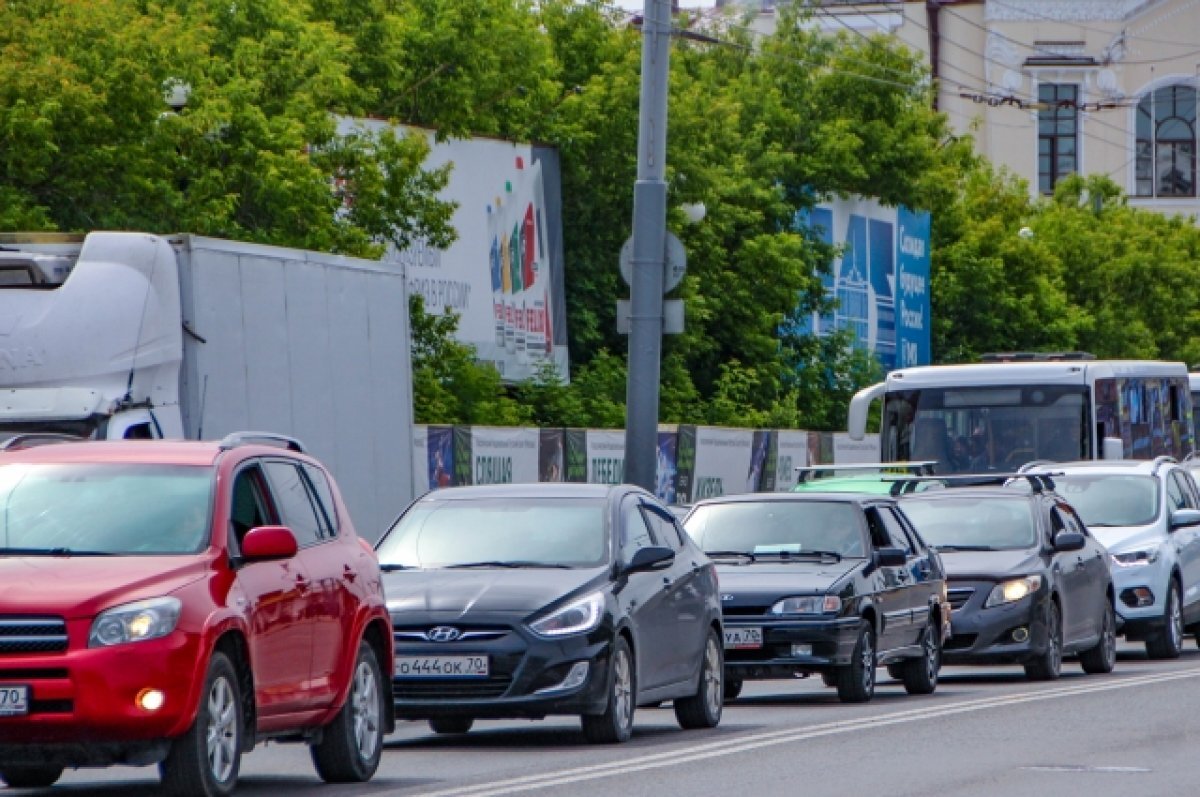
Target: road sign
673,269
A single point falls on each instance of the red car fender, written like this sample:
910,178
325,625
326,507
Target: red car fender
367,614
219,623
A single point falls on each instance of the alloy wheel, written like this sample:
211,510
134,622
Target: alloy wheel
364,697
622,690
713,688
868,663
1174,618
932,654
222,732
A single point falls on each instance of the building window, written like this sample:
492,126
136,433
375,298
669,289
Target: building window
1166,142
1058,133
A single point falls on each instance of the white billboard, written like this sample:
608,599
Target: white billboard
503,274
723,462
791,452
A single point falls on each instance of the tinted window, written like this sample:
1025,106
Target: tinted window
294,501
326,507
895,531
665,529
973,522
1111,499
1177,493
778,527
250,504
108,508
635,530
437,533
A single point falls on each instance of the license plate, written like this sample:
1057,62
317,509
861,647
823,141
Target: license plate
442,667
14,701
743,638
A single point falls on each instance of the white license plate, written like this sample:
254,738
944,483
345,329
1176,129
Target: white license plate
743,638
442,667
14,701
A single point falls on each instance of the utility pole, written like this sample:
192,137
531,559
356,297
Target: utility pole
649,251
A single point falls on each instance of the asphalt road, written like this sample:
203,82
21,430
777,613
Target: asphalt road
985,732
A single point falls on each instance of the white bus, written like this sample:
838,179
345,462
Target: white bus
1014,408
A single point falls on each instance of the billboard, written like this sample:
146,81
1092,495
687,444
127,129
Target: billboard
881,279
503,276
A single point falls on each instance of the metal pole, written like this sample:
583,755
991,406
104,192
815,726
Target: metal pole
649,251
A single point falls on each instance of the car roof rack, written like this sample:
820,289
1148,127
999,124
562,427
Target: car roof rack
262,439
1038,482
24,440
921,467
1163,459
1035,356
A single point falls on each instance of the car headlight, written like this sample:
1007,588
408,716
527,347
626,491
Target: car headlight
808,604
578,617
1147,556
135,622
1013,590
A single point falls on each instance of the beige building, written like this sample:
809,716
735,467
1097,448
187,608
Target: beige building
1051,87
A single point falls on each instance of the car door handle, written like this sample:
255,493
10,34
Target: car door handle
667,583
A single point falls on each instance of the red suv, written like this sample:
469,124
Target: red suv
177,602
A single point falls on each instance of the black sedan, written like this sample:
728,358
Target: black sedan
1027,582
539,599
829,583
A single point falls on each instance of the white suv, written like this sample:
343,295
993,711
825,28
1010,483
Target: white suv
1147,513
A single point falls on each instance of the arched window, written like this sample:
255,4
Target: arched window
1166,142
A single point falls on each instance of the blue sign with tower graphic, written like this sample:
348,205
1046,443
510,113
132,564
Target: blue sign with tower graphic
880,280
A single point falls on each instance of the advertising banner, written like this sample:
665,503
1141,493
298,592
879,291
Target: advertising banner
551,455
847,451
791,452
722,462
504,455
503,275
665,470
577,467
605,456
881,282
439,463
685,463
462,456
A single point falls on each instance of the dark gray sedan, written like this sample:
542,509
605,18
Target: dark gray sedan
538,599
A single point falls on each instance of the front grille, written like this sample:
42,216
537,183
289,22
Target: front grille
51,706
420,634
959,597
32,674
450,690
744,611
32,635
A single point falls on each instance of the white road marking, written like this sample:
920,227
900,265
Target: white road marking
772,738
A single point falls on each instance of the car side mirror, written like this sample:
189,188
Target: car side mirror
891,557
1181,518
1069,541
268,542
652,557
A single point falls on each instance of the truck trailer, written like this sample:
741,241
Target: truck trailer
117,335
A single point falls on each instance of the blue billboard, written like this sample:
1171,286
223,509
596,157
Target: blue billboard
880,280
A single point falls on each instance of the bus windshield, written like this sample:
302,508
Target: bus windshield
981,429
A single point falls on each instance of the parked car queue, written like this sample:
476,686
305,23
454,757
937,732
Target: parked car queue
236,564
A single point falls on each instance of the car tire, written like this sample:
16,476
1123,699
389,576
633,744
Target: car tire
1103,657
1167,643
30,777
856,681
352,744
921,674
205,760
450,725
703,709
733,686
1048,666
616,723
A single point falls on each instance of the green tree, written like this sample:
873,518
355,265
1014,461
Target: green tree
87,140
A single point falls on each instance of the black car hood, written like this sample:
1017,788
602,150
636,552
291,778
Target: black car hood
461,592
988,565
752,583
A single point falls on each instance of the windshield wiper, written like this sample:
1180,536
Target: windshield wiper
730,554
52,552
511,564
953,548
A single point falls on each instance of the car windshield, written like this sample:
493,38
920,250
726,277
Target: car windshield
1111,499
114,509
973,522
778,527
498,532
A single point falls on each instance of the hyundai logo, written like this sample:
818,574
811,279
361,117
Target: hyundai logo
443,633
